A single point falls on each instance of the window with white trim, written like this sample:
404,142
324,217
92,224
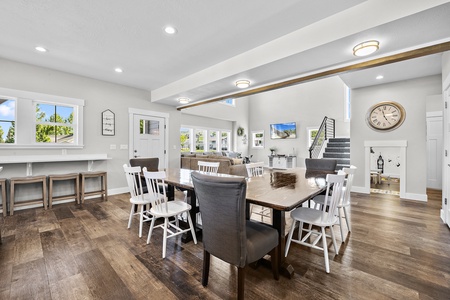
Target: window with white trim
34,120
7,120
229,101
204,140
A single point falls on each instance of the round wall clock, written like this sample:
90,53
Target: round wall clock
385,116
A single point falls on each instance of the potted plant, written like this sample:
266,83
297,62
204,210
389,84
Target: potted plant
272,150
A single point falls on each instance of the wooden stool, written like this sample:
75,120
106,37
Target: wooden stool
3,187
103,186
62,177
28,180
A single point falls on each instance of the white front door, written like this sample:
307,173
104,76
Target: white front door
434,150
149,137
445,215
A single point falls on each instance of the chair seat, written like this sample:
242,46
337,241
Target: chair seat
320,199
312,216
260,240
139,201
173,208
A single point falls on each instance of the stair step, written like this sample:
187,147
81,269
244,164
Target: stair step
336,155
346,150
337,145
346,140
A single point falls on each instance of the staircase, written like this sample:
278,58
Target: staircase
339,149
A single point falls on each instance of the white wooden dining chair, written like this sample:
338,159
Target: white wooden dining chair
256,169
344,203
206,166
139,200
321,218
162,208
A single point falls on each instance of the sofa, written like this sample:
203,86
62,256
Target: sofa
227,165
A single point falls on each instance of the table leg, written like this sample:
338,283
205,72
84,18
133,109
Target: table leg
279,223
192,200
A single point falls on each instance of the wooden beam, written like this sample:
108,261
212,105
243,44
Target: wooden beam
429,50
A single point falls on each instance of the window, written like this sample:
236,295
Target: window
258,139
229,101
312,133
54,124
185,139
225,141
149,127
213,140
204,140
7,120
200,140
348,104
34,120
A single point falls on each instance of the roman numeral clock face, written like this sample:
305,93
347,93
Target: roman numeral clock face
385,116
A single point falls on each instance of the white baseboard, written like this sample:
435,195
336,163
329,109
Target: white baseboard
360,189
417,197
442,216
117,191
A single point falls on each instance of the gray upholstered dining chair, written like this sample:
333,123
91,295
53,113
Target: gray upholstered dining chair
151,163
320,164
222,205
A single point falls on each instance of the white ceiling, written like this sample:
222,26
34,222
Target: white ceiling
218,41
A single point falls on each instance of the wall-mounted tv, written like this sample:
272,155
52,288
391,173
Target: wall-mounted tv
283,131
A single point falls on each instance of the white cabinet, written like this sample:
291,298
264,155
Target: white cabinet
282,162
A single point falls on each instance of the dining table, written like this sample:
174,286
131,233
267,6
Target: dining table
280,190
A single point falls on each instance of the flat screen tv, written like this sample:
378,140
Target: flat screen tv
283,131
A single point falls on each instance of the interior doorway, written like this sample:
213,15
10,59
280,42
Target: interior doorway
385,170
392,165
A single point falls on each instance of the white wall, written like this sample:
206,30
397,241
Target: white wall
412,95
98,96
434,103
306,104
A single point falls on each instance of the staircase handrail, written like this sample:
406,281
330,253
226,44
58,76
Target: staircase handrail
325,132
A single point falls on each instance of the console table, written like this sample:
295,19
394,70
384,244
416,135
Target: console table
282,162
30,159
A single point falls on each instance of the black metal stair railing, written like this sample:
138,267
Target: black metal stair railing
325,132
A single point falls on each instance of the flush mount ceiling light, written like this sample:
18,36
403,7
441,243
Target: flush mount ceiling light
366,48
118,70
170,30
379,77
184,100
40,49
242,84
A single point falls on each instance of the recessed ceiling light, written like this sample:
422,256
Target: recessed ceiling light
242,84
118,70
379,77
366,48
170,30
184,100
40,49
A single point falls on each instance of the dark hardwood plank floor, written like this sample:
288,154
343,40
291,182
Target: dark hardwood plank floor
397,250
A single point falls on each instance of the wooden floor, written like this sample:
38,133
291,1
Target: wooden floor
397,250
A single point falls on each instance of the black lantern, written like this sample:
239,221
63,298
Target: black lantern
380,163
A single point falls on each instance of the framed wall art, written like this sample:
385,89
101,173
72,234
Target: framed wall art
108,123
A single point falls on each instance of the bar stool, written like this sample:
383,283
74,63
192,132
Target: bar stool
103,186
63,177
27,180
3,187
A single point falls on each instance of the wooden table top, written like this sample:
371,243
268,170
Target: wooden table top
278,189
